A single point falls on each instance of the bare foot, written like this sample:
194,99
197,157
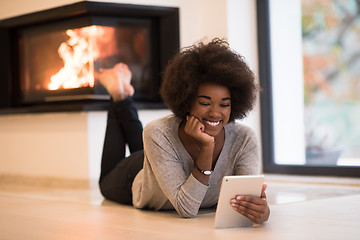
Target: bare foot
124,73
116,81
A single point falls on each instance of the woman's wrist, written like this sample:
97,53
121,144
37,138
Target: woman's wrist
204,172
207,146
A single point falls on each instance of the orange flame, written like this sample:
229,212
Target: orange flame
78,54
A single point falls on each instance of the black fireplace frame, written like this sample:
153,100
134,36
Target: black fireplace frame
167,22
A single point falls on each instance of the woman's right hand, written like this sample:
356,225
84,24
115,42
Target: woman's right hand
196,130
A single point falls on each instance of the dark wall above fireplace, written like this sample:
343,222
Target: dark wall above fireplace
163,24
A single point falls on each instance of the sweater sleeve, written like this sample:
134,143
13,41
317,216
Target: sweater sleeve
183,190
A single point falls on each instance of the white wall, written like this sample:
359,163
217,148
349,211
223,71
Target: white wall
242,36
69,145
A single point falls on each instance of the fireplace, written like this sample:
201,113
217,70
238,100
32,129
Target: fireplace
50,58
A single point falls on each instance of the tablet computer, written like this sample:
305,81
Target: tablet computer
231,186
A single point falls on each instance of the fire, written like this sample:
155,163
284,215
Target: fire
78,54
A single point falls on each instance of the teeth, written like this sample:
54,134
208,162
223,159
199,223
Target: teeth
213,123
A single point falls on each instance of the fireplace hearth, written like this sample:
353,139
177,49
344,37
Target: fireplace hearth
50,59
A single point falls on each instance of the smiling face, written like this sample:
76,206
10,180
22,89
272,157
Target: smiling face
212,107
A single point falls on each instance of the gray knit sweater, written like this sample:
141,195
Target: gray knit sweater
166,182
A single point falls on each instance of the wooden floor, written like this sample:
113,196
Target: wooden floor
301,209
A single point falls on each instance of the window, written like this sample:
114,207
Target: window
307,128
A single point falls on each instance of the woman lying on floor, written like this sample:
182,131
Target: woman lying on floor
180,160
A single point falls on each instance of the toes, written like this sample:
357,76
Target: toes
129,89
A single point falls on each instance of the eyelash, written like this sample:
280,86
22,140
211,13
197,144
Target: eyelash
204,104
221,105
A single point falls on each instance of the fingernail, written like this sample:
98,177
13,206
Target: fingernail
238,198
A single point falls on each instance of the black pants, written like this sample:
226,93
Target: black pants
118,172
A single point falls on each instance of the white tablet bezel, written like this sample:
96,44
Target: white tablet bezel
231,186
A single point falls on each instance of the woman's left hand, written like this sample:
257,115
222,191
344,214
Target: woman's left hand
254,208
